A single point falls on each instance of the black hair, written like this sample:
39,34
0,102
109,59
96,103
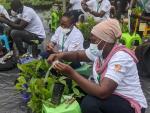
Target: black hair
70,15
16,5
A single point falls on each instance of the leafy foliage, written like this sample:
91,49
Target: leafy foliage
5,3
86,27
40,79
124,27
137,10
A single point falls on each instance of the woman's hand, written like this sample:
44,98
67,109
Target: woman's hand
54,57
2,15
50,47
2,19
64,68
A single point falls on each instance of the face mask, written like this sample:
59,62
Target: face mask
13,13
66,30
95,51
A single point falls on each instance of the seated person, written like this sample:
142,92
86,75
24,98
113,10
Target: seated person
99,9
114,86
3,13
29,29
66,38
76,8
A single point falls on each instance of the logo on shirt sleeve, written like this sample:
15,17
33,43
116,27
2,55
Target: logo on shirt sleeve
117,67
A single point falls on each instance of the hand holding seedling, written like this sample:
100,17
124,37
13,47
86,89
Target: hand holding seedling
63,68
54,57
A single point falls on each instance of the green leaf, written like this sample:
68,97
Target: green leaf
46,63
76,91
38,66
19,87
74,84
35,41
22,80
47,74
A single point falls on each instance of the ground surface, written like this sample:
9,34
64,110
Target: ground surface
10,101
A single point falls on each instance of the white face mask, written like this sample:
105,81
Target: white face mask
65,30
95,51
13,13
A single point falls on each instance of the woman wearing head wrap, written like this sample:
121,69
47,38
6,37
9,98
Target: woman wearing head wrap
114,86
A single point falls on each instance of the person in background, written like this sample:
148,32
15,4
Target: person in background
3,13
28,29
114,86
76,8
66,37
99,9
144,4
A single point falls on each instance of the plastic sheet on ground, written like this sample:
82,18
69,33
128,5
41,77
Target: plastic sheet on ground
10,100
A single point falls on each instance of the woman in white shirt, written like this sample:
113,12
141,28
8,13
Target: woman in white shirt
66,37
114,86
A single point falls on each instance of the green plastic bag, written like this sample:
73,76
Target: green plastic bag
63,108
85,70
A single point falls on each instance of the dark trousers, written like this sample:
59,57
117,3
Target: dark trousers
113,104
1,28
20,36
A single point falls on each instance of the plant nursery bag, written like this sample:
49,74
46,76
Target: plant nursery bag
9,64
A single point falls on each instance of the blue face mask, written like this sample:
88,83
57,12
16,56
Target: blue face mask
95,51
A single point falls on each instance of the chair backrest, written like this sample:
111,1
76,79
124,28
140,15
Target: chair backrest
130,40
4,38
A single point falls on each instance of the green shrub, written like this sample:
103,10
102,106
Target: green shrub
86,27
40,80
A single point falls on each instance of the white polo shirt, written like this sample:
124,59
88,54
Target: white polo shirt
72,42
4,12
35,25
76,4
98,7
126,77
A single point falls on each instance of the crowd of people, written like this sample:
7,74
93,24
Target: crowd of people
114,86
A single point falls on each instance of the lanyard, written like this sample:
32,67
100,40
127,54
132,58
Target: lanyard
98,73
65,36
63,42
98,6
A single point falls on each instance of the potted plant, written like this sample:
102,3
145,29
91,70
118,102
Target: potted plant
36,83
